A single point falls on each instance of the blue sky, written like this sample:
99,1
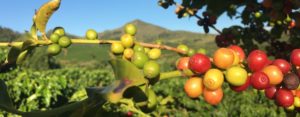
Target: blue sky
76,16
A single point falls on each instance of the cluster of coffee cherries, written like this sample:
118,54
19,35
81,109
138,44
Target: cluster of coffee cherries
142,57
274,8
59,40
208,20
275,77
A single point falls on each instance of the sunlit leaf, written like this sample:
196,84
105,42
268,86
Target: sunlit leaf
21,57
44,14
128,75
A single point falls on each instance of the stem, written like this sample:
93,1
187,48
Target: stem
197,16
102,41
172,74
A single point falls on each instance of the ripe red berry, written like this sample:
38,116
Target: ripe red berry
183,63
199,63
260,80
270,92
240,52
283,65
257,59
284,97
295,57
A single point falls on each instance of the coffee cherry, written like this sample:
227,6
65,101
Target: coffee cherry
291,81
138,48
146,50
199,63
295,57
201,51
139,59
284,98
283,65
191,52
130,29
53,49
223,58
257,14
64,42
213,79
91,34
128,53
183,48
60,31
127,40
117,48
183,63
236,76
260,80
54,38
257,59
154,53
151,69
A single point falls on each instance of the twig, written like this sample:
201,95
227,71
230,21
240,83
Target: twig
101,41
197,16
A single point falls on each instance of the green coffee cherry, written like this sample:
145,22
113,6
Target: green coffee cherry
91,34
53,49
130,29
154,53
60,31
128,53
183,48
54,38
191,52
201,51
139,59
117,48
64,42
138,48
151,69
127,40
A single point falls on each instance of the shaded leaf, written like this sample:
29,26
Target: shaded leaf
13,54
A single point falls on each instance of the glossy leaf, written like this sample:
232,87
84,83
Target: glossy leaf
128,75
21,57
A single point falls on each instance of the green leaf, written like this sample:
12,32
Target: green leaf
128,75
21,57
44,14
13,54
126,71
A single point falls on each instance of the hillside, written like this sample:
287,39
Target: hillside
149,32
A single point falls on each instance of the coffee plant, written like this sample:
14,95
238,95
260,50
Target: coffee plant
199,85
